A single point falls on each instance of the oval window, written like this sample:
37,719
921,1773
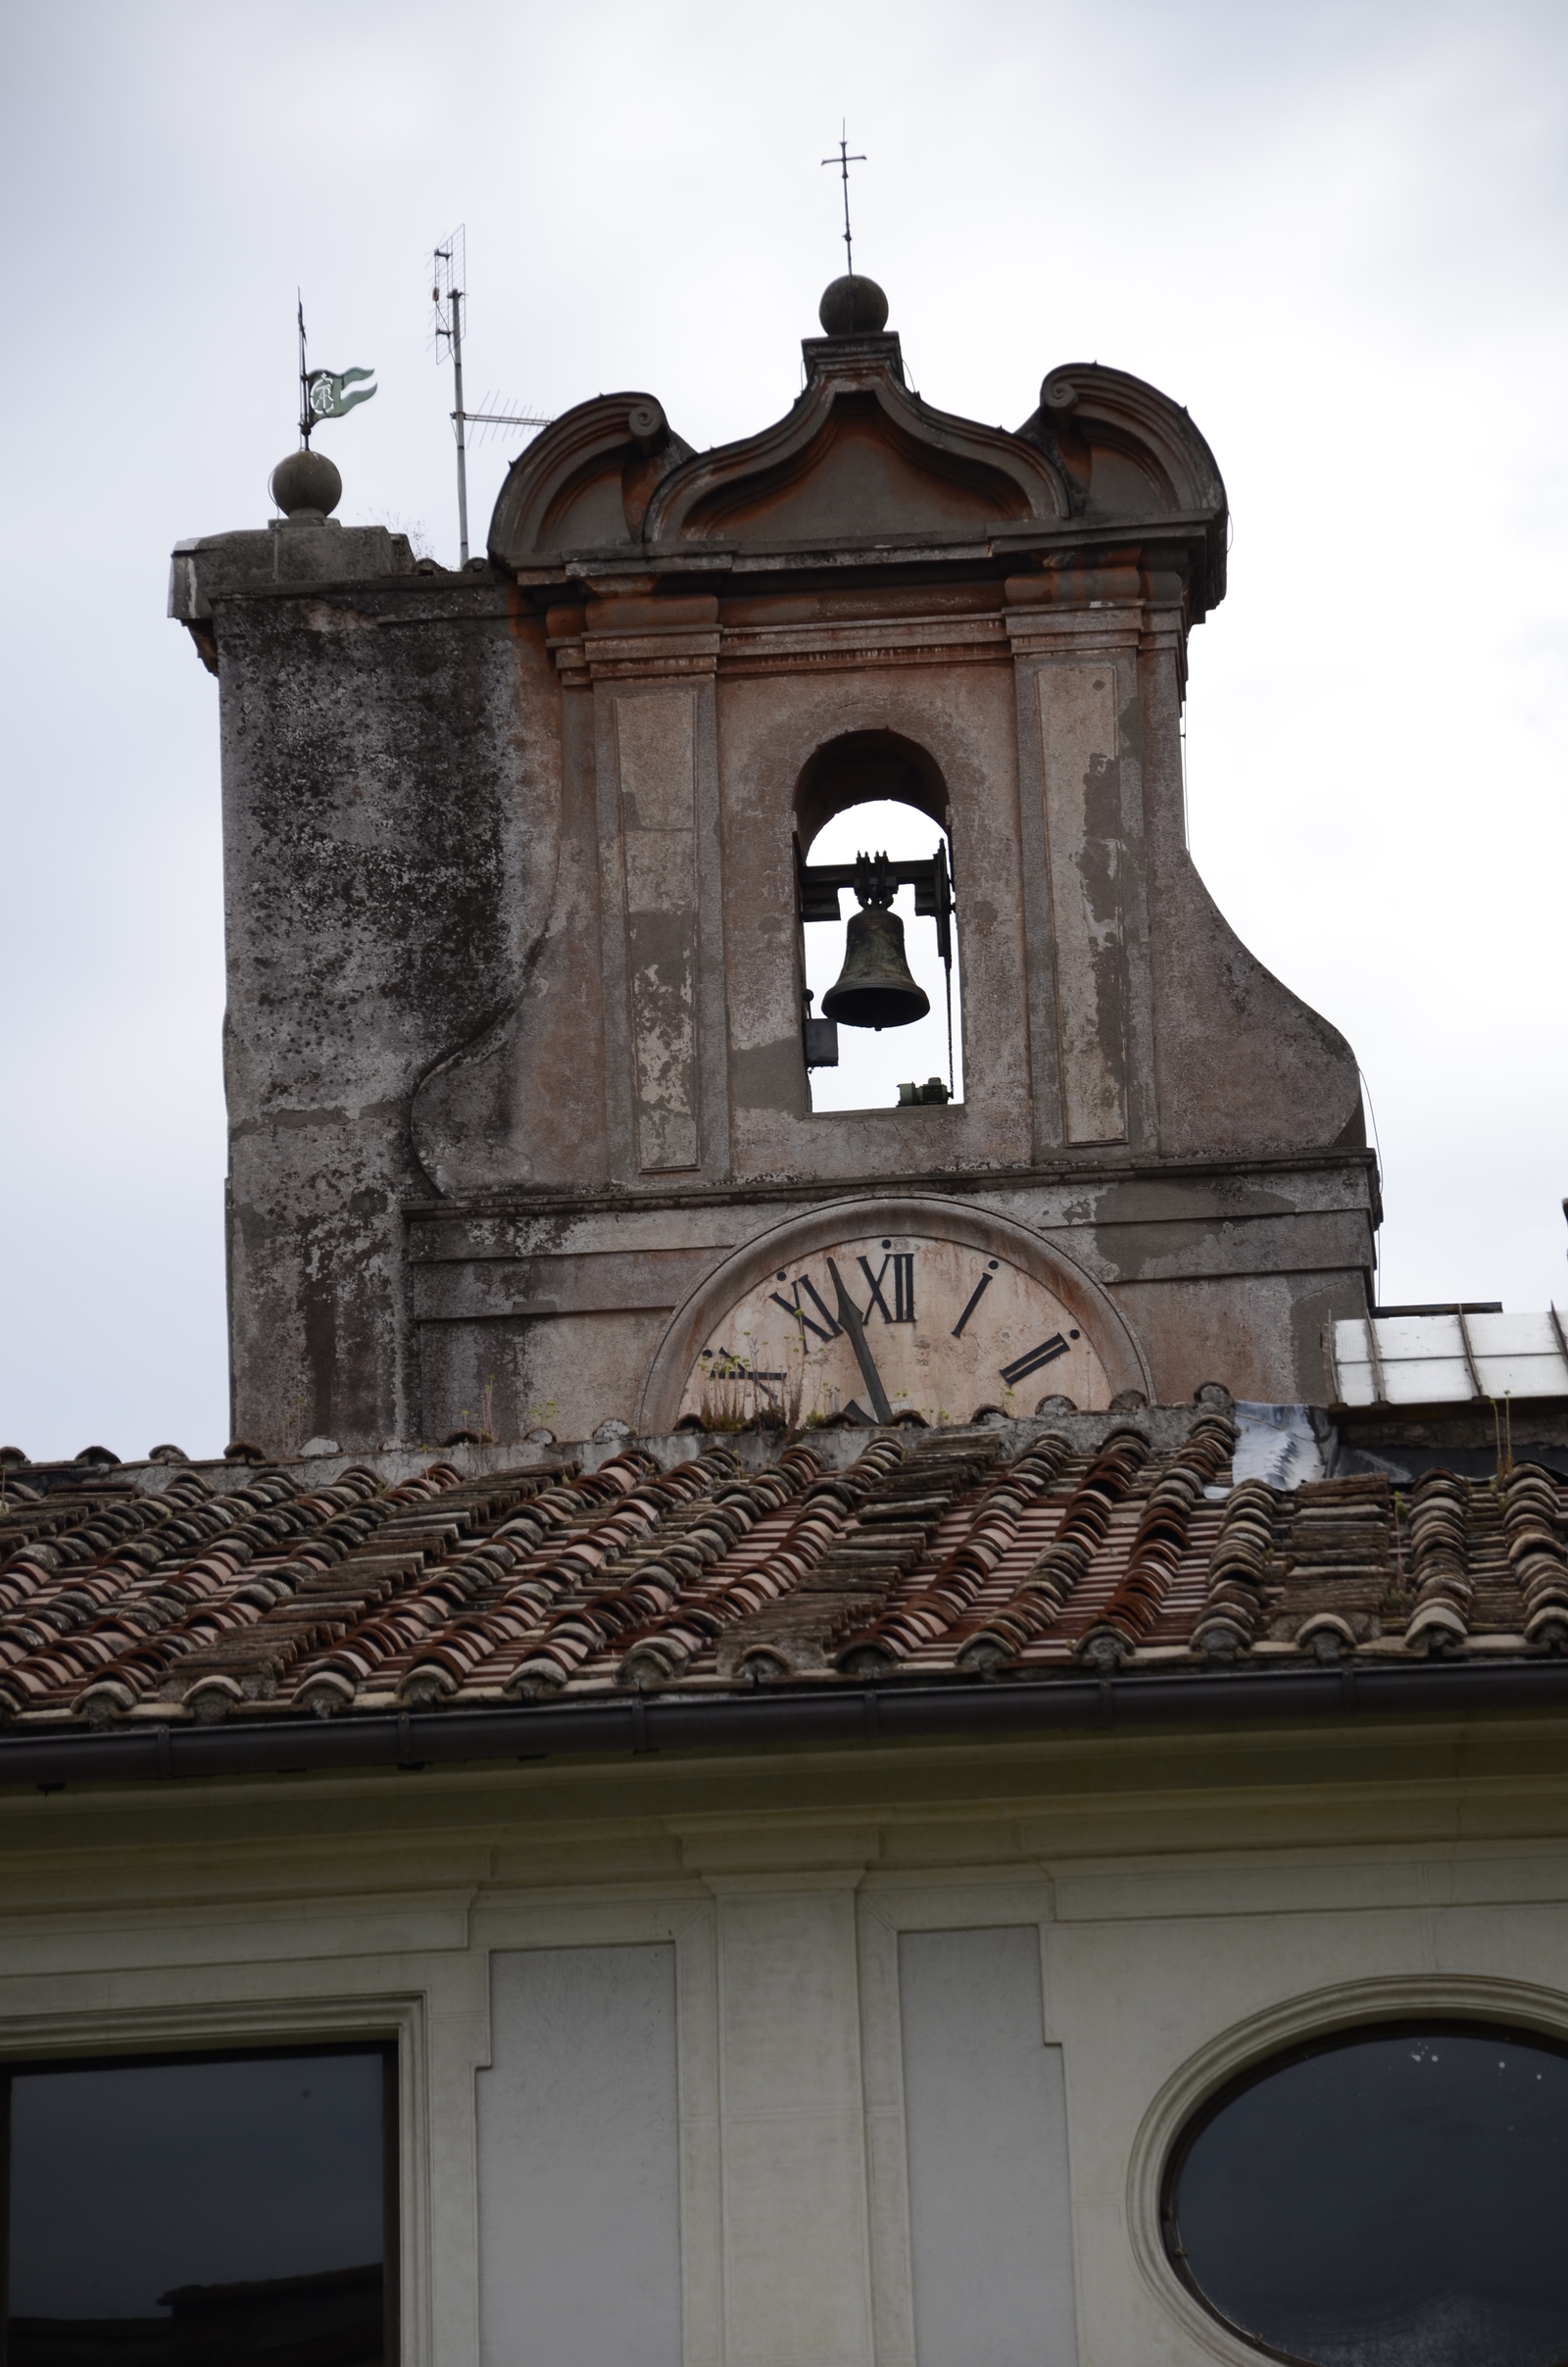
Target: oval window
1395,2197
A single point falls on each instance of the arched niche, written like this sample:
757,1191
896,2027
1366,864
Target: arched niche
860,768
884,788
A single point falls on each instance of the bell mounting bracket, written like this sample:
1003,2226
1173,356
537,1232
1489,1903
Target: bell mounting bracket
876,879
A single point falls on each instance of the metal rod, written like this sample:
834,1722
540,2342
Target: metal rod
1471,1365
944,940
462,461
304,383
844,160
915,871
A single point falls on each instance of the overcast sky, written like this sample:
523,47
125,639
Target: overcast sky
1336,233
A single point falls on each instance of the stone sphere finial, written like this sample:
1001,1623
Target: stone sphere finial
306,485
853,307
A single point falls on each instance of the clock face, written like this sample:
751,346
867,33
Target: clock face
885,1324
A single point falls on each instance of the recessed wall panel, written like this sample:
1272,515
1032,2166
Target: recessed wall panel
580,2160
1084,843
656,754
985,2115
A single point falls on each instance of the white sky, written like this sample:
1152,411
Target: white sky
1334,232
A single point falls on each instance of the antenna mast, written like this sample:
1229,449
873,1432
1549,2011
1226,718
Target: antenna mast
449,267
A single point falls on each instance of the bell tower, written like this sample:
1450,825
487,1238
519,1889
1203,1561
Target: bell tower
518,865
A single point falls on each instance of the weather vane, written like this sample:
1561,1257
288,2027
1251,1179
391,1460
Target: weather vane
844,160
322,393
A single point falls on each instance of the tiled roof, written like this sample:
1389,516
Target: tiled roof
939,1557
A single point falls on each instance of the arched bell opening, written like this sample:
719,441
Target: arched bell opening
882,1003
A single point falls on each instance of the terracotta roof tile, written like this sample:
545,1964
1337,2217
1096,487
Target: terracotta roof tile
938,1558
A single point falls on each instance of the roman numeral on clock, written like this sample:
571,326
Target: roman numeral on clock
975,1296
825,1325
830,1328
1046,1353
903,1308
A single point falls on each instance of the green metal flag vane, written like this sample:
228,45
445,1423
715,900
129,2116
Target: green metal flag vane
324,395
327,394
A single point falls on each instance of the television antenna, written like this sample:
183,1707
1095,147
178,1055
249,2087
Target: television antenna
449,294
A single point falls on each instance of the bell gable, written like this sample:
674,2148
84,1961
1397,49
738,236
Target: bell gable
522,1037
860,463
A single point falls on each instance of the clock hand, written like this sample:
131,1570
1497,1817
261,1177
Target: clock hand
849,1317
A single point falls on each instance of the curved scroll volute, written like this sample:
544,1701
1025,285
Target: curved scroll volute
584,484
1127,453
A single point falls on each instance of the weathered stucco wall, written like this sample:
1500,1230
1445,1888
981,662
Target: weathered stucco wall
1221,1277
392,819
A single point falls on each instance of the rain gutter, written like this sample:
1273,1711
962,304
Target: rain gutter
829,1717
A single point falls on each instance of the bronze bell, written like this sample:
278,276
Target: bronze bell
874,988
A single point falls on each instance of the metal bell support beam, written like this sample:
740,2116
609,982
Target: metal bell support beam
820,883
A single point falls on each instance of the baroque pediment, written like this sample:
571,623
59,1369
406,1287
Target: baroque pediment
860,463
857,460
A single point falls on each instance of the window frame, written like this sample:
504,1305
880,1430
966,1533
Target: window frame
388,2046
1336,2041
1251,2038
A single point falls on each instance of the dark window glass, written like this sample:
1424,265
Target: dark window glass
201,2211
1395,2198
